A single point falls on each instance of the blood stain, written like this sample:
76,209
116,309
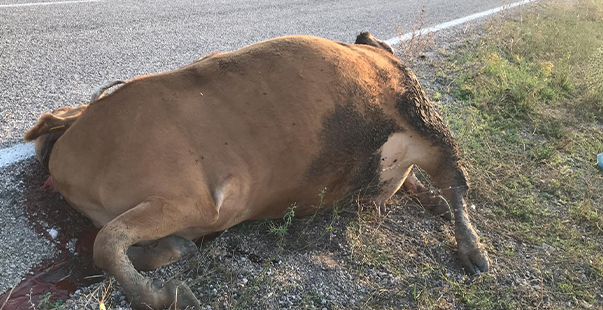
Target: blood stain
70,269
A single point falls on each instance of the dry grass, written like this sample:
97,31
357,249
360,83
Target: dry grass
418,42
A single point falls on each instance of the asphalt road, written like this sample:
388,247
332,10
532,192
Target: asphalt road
55,55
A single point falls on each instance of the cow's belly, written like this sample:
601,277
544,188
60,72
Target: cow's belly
89,208
395,165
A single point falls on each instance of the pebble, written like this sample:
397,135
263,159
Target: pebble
53,233
20,247
548,248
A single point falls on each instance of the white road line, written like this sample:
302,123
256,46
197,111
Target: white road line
16,5
16,153
20,152
456,22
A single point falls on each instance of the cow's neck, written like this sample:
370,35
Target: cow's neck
47,147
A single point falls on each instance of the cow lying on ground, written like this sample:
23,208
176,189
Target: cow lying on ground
170,157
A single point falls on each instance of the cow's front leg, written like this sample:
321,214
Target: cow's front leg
437,205
161,252
152,219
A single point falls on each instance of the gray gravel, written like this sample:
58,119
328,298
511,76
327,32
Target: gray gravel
20,247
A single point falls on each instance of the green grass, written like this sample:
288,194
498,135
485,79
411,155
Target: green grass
529,125
281,230
45,302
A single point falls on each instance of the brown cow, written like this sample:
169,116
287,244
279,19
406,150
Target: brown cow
238,136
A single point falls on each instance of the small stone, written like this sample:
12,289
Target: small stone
585,304
548,248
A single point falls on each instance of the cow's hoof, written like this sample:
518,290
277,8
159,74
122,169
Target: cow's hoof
473,258
185,247
173,294
181,295
164,251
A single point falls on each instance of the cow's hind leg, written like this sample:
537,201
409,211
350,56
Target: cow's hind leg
153,219
162,252
437,205
450,177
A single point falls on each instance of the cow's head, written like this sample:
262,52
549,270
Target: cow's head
50,127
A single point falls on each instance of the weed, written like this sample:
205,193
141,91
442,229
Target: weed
281,230
45,302
417,42
311,298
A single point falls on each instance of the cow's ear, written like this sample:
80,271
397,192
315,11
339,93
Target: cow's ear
49,122
57,121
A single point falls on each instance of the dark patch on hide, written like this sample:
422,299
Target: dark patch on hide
383,75
229,65
350,139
